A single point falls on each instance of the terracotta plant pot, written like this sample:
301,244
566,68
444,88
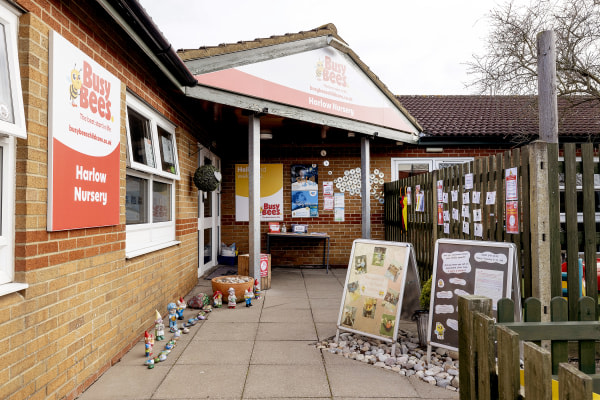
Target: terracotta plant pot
240,288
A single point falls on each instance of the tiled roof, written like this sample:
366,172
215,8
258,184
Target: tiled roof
499,116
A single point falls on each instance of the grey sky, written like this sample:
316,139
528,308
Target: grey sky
415,47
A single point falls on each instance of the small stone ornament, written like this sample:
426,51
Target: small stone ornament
159,327
248,295
256,289
181,305
231,299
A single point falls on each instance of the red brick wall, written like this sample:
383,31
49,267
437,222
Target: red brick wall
86,305
287,252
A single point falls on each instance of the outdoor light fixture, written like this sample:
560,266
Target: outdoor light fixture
266,135
350,134
434,150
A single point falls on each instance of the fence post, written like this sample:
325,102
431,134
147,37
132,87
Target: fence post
573,384
540,223
509,381
538,372
466,342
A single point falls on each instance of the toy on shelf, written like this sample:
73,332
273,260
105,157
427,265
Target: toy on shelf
248,295
159,327
180,307
256,289
148,343
231,299
172,309
218,299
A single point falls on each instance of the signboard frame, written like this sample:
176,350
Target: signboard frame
483,272
382,256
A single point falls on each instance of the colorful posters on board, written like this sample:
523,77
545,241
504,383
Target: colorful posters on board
305,190
84,117
271,192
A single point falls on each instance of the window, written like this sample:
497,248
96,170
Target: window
12,113
152,170
406,167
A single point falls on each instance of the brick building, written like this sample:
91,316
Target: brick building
93,79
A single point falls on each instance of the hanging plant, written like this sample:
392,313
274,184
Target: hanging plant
207,178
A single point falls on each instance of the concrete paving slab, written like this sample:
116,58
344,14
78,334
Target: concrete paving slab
116,383
326,314
325,294
239,314
286,315
325,330
286,352
217,352
203,381
286,331
227,331
366,381
428,391
281,381
280,292
288,303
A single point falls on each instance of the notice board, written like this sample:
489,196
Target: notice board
382,286
467,267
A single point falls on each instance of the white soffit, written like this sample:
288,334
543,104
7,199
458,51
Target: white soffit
305,80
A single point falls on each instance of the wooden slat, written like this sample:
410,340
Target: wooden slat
571,229
538,372
554,227
559,311
574,384
568,330
483,330
506,310
525,248
589,219
500,200
508,363
587,348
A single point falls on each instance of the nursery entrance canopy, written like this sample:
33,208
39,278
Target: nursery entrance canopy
308,76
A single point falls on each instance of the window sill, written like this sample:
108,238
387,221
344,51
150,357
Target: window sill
150,249
13,287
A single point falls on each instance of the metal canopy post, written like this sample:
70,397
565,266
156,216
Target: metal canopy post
254,195
365,168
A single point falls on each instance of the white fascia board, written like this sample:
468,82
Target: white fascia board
201,66
259,105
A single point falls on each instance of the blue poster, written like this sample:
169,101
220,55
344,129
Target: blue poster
305,190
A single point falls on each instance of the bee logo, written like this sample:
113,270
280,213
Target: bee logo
319,69
75,87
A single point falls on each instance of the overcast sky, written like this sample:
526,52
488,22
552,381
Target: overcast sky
414,47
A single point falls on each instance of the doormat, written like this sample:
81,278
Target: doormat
222,270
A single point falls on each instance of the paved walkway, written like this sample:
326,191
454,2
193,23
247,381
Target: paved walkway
262,352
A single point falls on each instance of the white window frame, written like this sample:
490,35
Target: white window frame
151,236
433,162
9,17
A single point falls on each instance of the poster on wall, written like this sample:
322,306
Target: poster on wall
84,136
338,207
271,192
305,190
382,287
467,267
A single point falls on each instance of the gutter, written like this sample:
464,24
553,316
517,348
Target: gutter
132,17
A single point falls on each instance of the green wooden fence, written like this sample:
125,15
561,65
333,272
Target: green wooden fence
573,205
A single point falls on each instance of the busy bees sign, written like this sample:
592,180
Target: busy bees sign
84,140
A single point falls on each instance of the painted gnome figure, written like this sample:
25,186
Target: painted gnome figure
181,305
148,343
159,327
256,289
172,309
218,299
231,299
248,295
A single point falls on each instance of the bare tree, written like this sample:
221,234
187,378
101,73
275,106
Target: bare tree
509,65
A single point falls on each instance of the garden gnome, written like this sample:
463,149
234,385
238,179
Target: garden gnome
148,343
256,289
172,309
218,299
180,307
248,295
159,327
231,299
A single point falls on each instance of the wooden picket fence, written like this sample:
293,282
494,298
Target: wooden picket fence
574,207
489,352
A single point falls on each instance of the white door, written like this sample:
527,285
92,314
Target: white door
209,221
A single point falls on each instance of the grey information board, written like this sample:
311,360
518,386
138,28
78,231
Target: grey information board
382,286
466,267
